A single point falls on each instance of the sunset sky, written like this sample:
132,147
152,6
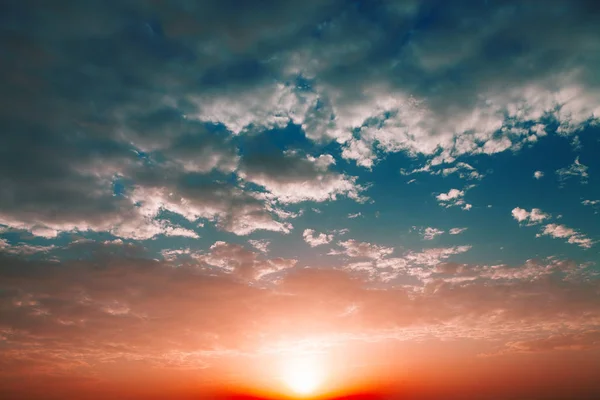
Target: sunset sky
299,199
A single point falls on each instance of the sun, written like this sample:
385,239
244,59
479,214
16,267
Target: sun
303,375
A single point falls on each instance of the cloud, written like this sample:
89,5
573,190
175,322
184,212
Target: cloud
451,195
237,260
457,231
453,198
356,249
571,341
24,248
572,236
436,167
314,239
434,256
261,245
292,178
575,170
538,174
55,315
533,217
355,215
595,204
431,233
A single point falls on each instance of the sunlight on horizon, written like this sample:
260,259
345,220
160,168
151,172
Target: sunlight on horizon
303,375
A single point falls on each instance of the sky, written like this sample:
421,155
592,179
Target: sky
197,196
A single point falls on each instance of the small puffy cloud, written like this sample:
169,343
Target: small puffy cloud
316,239
456,231
538,174
453,198
451,195
535,216
564,232
429,233
355,215
355,249
575,170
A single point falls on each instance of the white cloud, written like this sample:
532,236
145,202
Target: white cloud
454,198
356,215
538,174
451,195
353,248
535,216
563,232
432,257
456,231
431,233
314,239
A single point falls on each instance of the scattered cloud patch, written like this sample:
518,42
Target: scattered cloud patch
575,170
355,249
457,231
429,233
316,239
535,216
563,232
261,245
454,197
595,204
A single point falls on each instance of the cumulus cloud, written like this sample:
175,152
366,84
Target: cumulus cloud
457,231
453,198
139,120
564,232
535,216
316,239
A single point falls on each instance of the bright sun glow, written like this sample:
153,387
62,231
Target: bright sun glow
303,375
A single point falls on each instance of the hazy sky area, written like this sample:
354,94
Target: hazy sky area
299,199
